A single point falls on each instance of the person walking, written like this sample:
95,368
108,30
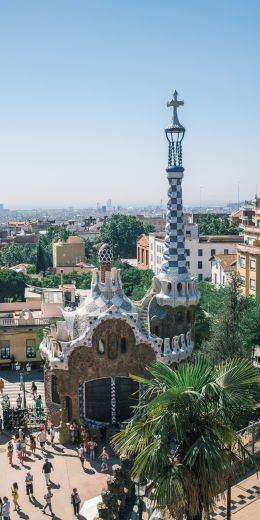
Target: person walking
38,404
24,446
46,469
15,496
2,385
29,485
41,437
32,444
82,455
19,451
75,500
34,390
19,402
47,497
10,451
52,432
92,449
104,460
6,509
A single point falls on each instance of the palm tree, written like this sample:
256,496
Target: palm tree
182,437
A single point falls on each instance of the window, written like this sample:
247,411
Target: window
200,252
151,258
242,261
212,252
242,280
5,349
30,348
54,390
199,265
188,233
138,254
252,264
225,251
252,283
123,345
151,246
146,257
200,277
188,265
258,223
187,251
223,279
142,256
215,278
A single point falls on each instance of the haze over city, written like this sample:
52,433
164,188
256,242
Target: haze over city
83,100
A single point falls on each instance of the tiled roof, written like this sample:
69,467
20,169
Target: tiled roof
227,262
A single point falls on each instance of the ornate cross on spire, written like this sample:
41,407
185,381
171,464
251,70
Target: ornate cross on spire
175,104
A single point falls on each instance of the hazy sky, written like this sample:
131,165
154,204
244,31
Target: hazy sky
83,94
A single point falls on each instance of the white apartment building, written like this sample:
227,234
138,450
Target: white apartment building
199,250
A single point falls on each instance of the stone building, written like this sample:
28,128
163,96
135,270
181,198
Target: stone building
68,253
90,355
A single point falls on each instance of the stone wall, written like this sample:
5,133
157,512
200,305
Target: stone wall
86,363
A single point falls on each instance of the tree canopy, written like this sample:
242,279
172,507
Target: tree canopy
183,436
216,225
121,232
12,285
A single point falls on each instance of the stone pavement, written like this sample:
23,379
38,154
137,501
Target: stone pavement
67,474
245,501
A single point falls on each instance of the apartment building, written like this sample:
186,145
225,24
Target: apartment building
222,267
68,253
248,257
199,250
142,245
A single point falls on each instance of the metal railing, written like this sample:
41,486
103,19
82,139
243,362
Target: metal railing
250,437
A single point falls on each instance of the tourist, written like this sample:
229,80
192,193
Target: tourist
41,438
20,434
46,469
1,425
1,508
75,500
82,454
52,432
6,509
32,444
92,449
2,385
15,496
73,432
29,485
34,390
19,451
38,404
104,460
24,446
10,451
19,402
21,381
48,496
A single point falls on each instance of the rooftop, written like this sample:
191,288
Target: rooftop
227,262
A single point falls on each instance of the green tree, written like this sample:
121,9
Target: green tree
227,333
121,232
250,323
211,302
17,254
216,225
41,262
12,285
182,435
136,282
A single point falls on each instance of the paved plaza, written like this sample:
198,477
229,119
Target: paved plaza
67,474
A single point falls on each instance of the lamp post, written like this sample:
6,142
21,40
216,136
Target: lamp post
140,490
22,383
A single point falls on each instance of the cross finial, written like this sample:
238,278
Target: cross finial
174,103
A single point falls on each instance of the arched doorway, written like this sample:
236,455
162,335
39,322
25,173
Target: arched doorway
68,408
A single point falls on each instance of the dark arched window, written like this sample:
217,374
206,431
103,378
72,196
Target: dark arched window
112,346
68,408
189,316
123,345
54,390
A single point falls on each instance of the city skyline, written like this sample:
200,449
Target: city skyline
84,92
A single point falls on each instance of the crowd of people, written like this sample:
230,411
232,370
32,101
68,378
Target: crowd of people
25,444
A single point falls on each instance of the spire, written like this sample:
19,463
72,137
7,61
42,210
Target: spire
174,258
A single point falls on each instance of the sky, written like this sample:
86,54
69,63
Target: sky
83,93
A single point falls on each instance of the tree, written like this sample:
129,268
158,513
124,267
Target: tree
210,304
121,233
182,436
136,282
250,324
12,285
41,262
216,225
17,254
226,339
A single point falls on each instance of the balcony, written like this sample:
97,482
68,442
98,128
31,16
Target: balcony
23,322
